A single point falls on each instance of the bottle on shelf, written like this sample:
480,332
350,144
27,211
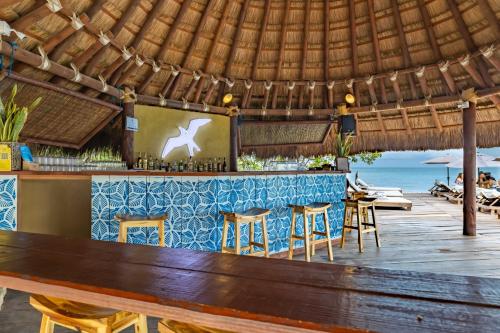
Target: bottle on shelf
168,168
156,164
138,164
181,166
175,166
190,165
151,163
224,165
145,162
162,165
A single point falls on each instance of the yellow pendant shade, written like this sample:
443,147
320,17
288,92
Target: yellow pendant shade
349,98
227,98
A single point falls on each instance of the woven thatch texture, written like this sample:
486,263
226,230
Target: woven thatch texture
60,118
282,134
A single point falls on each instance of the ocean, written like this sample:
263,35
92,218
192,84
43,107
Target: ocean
410,179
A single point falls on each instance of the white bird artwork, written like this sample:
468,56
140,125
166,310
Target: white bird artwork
186,137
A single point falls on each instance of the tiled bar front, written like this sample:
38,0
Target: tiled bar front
193,205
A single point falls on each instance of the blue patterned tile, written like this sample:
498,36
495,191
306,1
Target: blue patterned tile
208,234
189,201
137,201
118,203
8,203
155,204
173,207
100,208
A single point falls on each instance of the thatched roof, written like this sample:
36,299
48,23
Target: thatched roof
406,61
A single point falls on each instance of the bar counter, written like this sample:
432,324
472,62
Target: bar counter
191,200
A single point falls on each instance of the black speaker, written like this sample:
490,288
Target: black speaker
348,124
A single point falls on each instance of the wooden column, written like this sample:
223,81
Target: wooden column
233,140
128,136
469,135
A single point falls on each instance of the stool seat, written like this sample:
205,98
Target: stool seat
128,221
250,216
172,326
84,317
309,236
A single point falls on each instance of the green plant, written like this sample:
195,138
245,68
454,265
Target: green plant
13,117
250,163
366,157
343,145
319,161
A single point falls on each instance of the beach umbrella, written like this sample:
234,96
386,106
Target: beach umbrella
482,161
497,159
443,160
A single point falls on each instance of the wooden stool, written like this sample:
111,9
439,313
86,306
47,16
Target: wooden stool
361,209
83,317
137,221
172,326
249,216
308,237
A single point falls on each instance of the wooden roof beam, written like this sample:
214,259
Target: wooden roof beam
211,88
354,48
281,55
210,54
381,123
376,48
307,19
56,45
490,16
469,42
469,67
326,53
489,54
427,93
39,12
166,43
193,42
404,46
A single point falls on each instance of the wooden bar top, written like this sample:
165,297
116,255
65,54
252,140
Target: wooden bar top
247,294
89,174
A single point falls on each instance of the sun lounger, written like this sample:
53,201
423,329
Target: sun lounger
440,189
361,183
383,199
489,201
375,193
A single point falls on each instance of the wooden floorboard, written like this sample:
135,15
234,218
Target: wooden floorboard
428,238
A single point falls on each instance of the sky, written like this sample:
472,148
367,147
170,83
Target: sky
408,159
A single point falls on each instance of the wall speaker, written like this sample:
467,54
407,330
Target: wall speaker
348,124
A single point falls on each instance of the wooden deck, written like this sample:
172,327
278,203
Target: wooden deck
429,239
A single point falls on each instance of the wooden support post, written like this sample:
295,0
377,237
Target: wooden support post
469,135
128,136
233,141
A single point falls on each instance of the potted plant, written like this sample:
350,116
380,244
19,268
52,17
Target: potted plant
343,146
12,120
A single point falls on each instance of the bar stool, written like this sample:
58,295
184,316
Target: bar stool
138,221
172,326
83,317
250,216
310,242
361,208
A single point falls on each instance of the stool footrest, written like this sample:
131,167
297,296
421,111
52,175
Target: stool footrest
297,237
319,233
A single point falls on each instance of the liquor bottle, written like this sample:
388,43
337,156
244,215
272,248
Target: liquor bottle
138,165
162,165
151,163
190,166
181,166
219,165
145,162
156,164
168,168
224,165
174,166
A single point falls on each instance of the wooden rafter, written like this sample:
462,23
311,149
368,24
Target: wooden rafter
427,93
326,53
210,54
166,42
39,12
469,42
281,55
305,42
131,68
376,49
354,47
490,16
404,46
192,44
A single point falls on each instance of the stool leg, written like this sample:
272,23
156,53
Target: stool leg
237,238
161,233
313,237
327,230
225,228
377,238
292,234
47,325
122,234
307,238
264,237
142,324
360,236
344,229
251,233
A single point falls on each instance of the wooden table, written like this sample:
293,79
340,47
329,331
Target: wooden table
247,294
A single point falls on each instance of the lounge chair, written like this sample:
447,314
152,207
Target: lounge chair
361,183
489,201
374,193
383,200
455,195
440,189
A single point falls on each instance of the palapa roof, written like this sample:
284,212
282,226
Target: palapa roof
287,62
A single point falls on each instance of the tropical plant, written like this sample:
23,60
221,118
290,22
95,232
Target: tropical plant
343,145
13,117
319,161
250,163
366,157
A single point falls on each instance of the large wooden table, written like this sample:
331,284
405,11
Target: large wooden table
247,294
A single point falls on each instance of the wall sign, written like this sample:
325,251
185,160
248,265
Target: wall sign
186,137
132,124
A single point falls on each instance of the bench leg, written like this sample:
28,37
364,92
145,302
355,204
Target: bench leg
142,324
313,237
224,235
327,231
292,234
360,235
377,238
251,236
161,233
347,217
47,325
237,238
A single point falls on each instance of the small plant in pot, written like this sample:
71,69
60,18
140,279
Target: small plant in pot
343,148
12,120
